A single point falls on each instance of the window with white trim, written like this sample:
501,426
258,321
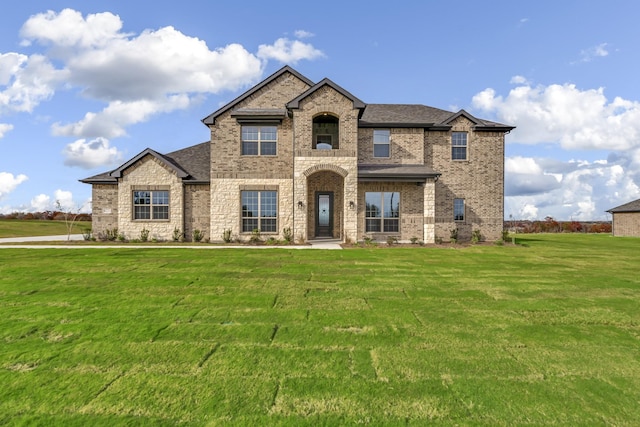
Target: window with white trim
259,211
259,140
381,143
382,212
459,146
458,209
151,205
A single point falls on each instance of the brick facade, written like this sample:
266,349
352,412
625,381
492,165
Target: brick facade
299,171
626,224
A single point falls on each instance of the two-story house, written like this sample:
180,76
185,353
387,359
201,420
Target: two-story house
311,159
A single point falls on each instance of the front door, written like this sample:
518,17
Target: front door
324,214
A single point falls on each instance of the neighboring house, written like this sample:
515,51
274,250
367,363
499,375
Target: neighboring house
291,155
626,219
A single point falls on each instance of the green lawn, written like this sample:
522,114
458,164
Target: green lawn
547,332
22,228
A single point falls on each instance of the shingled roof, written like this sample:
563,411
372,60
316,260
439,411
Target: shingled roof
417,115
627,207
191,164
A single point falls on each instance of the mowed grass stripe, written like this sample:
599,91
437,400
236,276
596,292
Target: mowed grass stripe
546,332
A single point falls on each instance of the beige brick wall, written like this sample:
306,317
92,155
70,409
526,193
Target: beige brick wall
412,202
406,147
626,224
326,100
226,158
149,174
479,180
197,210
104,201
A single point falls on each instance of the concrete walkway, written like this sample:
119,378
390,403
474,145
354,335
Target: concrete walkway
23,242
60,238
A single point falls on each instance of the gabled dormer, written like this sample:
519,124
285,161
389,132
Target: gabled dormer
326,118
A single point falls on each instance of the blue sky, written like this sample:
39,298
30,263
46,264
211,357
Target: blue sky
84,86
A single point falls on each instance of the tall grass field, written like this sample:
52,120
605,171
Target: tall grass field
545,332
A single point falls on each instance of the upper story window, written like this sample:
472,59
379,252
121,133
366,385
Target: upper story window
259,140
382,212
151,205
325,134
459,146
458,209
381,143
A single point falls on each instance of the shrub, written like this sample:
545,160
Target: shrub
144,235
453,235
198,235
109,235
414,240
86,234
226,235
391,240
476,237
287,234
121,237
369,241
505,235
177,234
272,241
255,236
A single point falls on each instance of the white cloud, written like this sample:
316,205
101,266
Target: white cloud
564,114
136,75
61,200
302,34
64,200
576,189
9,182
519,80
4,128
26,81
288,51
41,203
598,51
91,154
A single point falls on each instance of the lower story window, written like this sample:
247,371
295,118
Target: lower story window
259,211
458,209
151,205
382,212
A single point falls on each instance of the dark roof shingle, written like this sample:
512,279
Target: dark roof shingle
627,207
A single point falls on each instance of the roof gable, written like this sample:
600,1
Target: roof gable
211,118
295,103
117,173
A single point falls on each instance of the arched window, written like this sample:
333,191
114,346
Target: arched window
325,132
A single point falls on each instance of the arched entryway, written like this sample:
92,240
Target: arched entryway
325,202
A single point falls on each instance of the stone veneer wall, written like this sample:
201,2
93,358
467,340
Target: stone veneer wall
149,174
406,147
226,212
626,224
104,201
479,180
342,161
197,210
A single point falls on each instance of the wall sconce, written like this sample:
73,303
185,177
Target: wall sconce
300,204
352,205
